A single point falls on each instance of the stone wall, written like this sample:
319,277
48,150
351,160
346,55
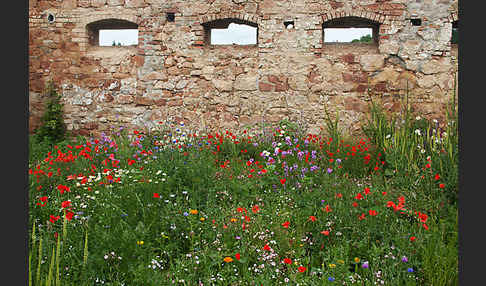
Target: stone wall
173,74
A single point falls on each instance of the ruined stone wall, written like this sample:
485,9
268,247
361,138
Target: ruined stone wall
173,74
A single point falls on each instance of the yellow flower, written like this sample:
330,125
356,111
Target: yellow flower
340,261
140,242
193,211
228,259
233,220
356,259
202,219
332,265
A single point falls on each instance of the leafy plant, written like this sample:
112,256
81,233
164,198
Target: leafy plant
52,129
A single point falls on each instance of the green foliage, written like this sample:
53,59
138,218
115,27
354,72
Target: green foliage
363,39
53,128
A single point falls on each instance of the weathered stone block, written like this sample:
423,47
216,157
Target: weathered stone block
371,63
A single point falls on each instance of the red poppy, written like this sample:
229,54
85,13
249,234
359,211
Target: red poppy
156,195
339,195
69,215
312,218
63,189
328,208
287,261
237,256
412,238
427,166
436,177
441,185
362,216
359,196
43,200
65,204
266,247
373,212
422,217
53,219
425,226
384,193
255,209
355,204
302,269
286,224
282,181
325,232
366,191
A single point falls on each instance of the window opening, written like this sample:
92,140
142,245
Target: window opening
123,37
350,30
112,32
231,32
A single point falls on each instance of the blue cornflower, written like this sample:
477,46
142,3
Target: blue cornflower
410,270
331,279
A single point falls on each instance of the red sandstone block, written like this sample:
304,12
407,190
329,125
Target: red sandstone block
265,87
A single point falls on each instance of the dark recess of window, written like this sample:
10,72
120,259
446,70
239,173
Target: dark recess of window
223,24
353,22
170,17
107,24
455,32
50,18
416,22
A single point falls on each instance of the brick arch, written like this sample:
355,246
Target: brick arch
221,16
376,17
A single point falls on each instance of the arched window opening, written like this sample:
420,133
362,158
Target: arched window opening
350,30
230,32
112,32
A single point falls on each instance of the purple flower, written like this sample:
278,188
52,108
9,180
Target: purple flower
322,201
404,259
185,214
338,161
329,170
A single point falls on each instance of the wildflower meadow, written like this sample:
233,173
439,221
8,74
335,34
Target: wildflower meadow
268,205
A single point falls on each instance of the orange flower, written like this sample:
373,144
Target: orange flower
228,259
325,232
